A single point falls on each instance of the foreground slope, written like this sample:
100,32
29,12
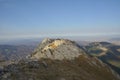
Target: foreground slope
59,59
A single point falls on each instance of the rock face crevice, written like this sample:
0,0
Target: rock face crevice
57,49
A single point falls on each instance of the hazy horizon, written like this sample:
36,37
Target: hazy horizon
87,19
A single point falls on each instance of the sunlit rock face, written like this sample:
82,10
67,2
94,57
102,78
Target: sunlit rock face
58,49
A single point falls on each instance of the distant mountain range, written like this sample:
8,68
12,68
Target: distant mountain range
114,39
15,52
107,52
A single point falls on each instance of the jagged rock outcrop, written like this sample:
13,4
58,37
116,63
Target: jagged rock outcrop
57,49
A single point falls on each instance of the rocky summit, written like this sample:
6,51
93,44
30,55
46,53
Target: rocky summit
58,49
58,59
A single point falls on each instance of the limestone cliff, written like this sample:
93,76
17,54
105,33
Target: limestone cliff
57,49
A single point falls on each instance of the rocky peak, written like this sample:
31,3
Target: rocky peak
60,57
57,49
46,40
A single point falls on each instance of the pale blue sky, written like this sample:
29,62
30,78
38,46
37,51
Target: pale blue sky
36,18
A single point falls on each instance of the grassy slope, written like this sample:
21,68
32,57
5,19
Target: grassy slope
82,68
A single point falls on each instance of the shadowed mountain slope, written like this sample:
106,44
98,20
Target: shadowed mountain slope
107,52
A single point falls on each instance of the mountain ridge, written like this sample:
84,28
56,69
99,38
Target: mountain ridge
68,61
57,49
